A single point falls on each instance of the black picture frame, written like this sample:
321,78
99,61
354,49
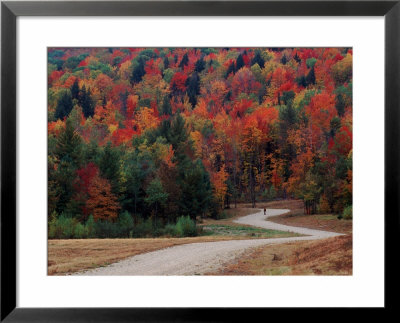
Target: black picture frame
10,10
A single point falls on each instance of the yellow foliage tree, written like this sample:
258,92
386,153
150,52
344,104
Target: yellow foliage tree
146,119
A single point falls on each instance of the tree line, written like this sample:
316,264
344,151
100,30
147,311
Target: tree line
158,134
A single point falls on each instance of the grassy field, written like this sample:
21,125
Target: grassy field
331,256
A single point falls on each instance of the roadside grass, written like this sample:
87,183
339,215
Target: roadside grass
244,231
72,255
331,256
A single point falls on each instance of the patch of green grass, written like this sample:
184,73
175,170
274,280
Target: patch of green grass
227,230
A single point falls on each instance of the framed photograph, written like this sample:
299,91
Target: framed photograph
186,160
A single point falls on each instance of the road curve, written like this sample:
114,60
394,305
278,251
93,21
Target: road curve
260,220
199,258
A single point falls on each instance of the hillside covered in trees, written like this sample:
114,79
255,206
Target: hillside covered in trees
148,135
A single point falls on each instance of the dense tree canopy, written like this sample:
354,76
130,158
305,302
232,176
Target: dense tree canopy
166,132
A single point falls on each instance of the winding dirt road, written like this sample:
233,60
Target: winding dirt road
199,258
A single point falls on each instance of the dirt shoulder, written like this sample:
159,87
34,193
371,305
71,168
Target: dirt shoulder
332,256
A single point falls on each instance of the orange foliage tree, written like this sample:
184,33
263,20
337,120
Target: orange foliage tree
101,203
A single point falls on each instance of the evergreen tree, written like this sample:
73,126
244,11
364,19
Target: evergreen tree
231,69
136,170
166,106
124,106
86,102
68,145
335,126
64,106
193,88
75,90
156,197
257,59
109,167
166,62
138,72
126,223
184,61
340,105
200,65
287,115
310,78
228,96
91,152
287,97
196,191
178,137
64,178
284,59
68,154
239,62
301,81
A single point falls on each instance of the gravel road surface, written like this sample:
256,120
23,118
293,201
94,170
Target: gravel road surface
199,258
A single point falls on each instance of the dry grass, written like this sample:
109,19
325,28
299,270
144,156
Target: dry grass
331,256
68,256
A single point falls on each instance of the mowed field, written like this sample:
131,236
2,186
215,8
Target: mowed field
325,257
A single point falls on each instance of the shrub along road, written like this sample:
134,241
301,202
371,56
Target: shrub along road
200,258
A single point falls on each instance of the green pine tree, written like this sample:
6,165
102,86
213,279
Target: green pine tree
64,106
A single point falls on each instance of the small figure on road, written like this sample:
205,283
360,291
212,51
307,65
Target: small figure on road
265,211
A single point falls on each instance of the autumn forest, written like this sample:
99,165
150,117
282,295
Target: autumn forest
143,142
